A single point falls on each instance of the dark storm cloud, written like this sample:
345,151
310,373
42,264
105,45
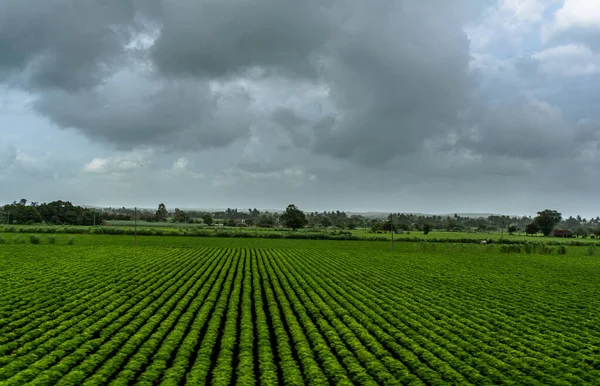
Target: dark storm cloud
217,38
397,75
399,72
64,44
166,115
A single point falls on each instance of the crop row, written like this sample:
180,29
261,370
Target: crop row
118,315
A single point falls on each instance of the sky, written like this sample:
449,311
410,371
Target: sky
469,106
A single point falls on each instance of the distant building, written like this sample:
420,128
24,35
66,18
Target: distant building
562,233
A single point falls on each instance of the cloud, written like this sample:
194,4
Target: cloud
527,129
568,60
315,101
218,38
181,164
118,165
58,44
8,155
133,109
576,20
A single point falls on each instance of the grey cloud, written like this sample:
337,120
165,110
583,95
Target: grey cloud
133,110
525,129
64,44
587,35
399,73
215,38
8,155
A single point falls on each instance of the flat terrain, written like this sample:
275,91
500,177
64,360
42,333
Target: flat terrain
229,311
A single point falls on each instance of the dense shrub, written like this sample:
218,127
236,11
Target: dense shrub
34,239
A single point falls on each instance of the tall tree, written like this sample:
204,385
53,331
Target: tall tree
547,220
426,228
208,219
162,213
179,215
294,218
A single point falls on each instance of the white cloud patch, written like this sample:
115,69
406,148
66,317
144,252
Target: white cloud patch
506,23
568,60
578,13
119,164
181,164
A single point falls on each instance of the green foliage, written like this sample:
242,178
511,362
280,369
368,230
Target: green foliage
426,229
547,219
207,219
591,250
51,239
19,240
532,228
71,240
241,312
179,216
34,239
294,218
3,240
510,248
162,213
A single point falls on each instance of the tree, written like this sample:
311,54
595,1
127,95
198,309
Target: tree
512,229
532,228
326,222
208,220
581,232
179,215
266,220
294,218
572,223
547,220
162,213
389,226
426,229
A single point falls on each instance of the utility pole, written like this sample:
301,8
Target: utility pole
135,225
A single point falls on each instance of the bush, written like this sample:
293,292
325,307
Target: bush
51,239
591,251
19,240
2,240
562,250
34,239
510,248
71,240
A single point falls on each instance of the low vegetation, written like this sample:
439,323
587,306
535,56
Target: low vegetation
296,312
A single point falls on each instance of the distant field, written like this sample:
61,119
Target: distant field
18,233
242,311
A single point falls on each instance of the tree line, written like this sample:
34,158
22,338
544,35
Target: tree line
65,213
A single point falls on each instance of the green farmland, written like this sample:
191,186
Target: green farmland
253,311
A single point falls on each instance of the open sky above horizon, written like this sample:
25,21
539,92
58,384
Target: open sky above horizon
467,106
